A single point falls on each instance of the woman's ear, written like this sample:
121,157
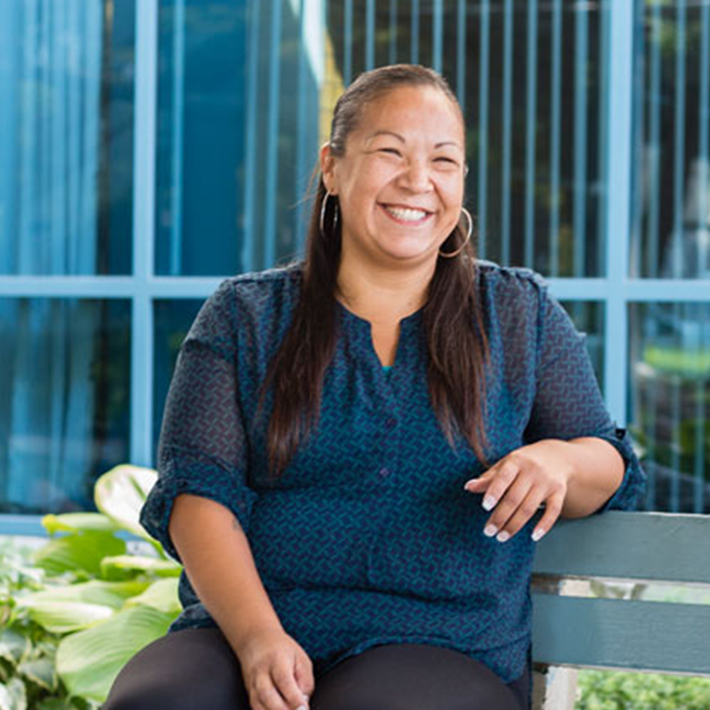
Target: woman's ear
327,168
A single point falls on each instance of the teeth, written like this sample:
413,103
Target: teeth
407,214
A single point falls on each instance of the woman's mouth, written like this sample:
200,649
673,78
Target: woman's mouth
406,215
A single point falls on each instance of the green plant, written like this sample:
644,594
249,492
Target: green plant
73,612
612,690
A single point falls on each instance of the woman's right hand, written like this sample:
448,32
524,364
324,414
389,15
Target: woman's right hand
277,672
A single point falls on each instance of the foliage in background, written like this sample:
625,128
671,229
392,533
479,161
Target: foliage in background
73,612
608,690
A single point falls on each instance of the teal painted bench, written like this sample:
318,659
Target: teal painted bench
629,549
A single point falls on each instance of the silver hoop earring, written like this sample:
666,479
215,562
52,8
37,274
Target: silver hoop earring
322,213
451,254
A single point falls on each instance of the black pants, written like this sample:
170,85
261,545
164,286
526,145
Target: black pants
196,668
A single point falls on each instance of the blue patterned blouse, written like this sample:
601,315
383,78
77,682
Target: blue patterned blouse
369,536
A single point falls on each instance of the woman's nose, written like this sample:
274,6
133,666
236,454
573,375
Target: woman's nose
416,175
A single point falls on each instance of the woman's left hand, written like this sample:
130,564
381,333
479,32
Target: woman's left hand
516,487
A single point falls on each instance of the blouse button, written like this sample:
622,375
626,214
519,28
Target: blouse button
384,472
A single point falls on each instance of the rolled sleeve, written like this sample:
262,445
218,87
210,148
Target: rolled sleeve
631,490
568,403
195,474
203,447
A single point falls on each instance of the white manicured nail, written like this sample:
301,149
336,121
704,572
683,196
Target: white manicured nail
490,530
488,502
537,534
503,537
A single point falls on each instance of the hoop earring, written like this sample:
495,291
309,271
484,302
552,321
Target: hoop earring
451,254
322,213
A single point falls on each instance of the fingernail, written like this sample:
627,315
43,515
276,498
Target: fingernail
301,707
490,530
488,502
537,534
502,537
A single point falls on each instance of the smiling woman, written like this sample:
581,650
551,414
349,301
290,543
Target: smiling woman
399,181
316,498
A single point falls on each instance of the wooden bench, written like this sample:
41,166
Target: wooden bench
572,630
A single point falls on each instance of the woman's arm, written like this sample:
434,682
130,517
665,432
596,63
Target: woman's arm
572,478
596,472
220,565
575,460
215,551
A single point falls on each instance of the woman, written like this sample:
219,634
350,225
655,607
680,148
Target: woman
356,449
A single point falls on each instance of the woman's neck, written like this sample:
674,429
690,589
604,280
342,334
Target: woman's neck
380,294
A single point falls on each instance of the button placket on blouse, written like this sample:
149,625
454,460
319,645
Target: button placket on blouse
386,386
390,414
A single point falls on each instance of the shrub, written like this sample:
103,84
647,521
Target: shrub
73,612
612,690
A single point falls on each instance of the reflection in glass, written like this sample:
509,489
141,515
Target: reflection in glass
532,80
588,318
66,137
671,236
670,356
172,320
238,113
64,400
247,89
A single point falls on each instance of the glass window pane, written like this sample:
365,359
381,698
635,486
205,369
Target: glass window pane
64,400
671,235
66,137
670,390
532,80
588,318
238,111
172,320
241,93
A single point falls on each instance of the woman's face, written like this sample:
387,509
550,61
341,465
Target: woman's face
400,183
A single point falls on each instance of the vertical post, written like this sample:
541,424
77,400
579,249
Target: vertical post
618,212
462,19
370,35
507,130
146,93
247,255
438,32
481,207
530,126
272,139
178,143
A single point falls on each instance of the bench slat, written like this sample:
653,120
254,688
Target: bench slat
651,546
621,634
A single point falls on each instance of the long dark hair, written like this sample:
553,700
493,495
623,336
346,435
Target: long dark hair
452,316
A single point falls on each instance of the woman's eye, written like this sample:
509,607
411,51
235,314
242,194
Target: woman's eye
392,151
447,160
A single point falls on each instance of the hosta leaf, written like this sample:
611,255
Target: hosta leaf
83,551
121,492
89,661
55,704
13,695
96,591
63,617
137,563
13,646
58,704
79,522
162,595
41,672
